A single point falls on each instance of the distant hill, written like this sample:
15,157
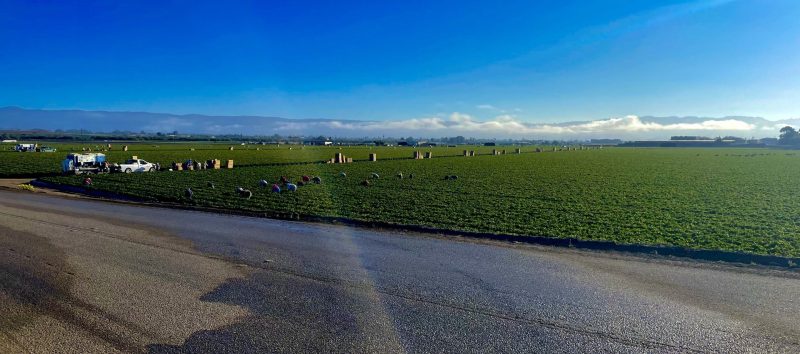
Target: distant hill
105,121
630,127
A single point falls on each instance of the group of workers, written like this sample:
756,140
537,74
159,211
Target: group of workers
305,179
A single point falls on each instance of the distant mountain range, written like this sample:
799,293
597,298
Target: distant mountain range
106,121
629,127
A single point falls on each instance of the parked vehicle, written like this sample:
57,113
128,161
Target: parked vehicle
26,147
78,163
135,165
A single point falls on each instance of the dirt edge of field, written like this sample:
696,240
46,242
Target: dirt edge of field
594,245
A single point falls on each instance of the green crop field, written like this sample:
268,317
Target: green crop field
34,164
727,199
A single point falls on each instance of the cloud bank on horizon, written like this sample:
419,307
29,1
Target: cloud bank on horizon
500,125
506,125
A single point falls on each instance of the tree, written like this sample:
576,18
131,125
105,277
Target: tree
788,136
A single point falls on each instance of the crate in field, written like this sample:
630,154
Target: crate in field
229,164
428,154
373,157
340,158
466,153
214,164
125,148
518,151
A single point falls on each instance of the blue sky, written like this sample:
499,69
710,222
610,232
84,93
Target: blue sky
532,61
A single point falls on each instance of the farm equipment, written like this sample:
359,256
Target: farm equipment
85,163
26,147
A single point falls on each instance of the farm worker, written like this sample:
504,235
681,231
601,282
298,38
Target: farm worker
244,193
263,183
284,180
317,180
342,174
87,181
276,188
306,178
189,193
375,175
210,185
400,175
365,183
291,187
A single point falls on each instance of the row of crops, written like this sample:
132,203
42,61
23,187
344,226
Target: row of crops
729,199
17,164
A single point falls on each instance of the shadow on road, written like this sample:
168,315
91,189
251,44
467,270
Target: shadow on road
290,314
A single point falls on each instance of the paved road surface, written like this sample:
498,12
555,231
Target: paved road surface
87,276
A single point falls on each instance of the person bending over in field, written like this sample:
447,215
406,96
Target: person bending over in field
244,193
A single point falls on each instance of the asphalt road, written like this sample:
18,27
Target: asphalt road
87,276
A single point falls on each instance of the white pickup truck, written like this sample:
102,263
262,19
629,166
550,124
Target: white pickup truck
137,165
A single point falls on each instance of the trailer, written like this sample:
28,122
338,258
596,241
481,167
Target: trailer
26,147
77,163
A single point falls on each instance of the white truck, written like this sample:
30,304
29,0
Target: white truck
136,165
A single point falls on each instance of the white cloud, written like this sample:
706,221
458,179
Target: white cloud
486,106
509,125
